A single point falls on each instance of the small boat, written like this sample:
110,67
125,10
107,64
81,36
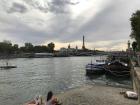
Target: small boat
95,68
117,69
7,67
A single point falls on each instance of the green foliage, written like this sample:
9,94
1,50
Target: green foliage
40,49
134,46
125,59
6,48
135,27
29,47
51,47
15,46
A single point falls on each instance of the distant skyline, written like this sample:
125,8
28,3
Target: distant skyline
104,23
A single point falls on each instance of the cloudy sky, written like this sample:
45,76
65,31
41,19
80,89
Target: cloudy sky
105,23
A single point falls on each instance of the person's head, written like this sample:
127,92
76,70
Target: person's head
36,97
49,96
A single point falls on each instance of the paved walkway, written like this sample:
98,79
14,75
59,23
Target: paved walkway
95,95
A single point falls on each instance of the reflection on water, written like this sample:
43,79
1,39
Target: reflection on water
108,80
38,76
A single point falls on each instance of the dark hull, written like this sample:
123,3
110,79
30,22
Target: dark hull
95,71
117,69
118,74
7,67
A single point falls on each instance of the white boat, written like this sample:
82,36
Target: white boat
96,68
101,61
7,66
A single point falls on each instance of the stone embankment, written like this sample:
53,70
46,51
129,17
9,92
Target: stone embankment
136,81
95,95
103,95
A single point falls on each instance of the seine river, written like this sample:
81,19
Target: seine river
39,75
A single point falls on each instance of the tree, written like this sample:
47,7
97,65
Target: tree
29,47
15,48
6,47
135,27
134,46
22,49
51,47
40,49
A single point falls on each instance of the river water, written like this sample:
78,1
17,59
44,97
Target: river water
39,75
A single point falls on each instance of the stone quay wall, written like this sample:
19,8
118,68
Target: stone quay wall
135,73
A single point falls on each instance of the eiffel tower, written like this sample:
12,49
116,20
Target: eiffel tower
83,46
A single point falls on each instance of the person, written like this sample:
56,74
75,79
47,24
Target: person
40,100
51,100
36,101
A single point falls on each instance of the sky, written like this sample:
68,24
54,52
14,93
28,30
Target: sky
104,23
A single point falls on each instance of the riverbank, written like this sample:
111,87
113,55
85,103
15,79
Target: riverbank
95,95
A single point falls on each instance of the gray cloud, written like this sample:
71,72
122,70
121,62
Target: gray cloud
16,7
23,33
35,4
54,6
60,6
111,23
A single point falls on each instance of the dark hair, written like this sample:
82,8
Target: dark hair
49,96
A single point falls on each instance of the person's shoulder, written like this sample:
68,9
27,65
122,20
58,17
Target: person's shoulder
49,102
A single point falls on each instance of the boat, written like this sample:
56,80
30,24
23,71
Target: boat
117,68
95,68
101,61
7,66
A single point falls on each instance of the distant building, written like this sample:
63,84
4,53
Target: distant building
129,49
76,48
69,46
83,46
69,51
43,55
128,44
63,52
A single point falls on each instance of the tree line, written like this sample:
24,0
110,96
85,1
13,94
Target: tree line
135,27
6,47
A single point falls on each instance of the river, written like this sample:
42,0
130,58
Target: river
36,76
